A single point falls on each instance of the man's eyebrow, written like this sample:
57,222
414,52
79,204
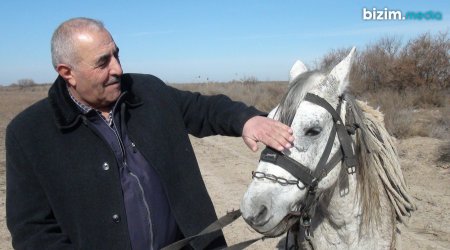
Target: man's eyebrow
105,57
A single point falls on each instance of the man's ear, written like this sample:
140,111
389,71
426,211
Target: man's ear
65,71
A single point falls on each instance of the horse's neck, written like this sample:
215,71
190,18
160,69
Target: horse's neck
338,215
337,222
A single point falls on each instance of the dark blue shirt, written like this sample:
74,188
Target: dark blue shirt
151,224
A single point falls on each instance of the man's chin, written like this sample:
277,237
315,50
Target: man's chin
113,93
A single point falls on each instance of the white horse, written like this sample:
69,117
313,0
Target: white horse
336,210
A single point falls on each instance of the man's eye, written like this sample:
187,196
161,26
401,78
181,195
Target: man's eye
102,64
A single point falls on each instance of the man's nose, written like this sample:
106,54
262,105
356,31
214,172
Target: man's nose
115,67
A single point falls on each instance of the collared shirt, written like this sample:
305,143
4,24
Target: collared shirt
151,224
86,109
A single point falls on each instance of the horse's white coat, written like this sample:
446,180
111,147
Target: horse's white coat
337,222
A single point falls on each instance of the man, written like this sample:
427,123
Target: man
105,162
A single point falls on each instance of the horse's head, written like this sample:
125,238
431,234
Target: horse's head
270,199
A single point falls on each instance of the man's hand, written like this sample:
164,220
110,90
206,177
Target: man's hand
268,131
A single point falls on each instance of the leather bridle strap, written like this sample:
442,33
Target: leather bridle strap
321,168
344,138
213,227
296,169
324,104
305,174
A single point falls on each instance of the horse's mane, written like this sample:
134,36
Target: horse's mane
378,160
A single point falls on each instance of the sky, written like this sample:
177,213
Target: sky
214,41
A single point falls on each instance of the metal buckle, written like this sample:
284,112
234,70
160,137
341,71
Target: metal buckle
306,224
351,170
269,157
351,164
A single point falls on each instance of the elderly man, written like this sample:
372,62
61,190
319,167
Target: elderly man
105,162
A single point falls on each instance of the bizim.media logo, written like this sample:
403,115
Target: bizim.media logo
387,14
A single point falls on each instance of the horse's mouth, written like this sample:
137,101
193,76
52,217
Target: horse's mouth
281,227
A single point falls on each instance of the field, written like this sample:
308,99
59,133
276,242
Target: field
226,164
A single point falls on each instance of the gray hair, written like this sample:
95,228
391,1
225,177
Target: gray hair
294,96
63,42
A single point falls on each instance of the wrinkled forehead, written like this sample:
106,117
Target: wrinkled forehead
91,45
96,37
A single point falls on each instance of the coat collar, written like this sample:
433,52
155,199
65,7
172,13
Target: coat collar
68,115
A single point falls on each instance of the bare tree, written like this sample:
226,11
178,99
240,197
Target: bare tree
23,83
431,56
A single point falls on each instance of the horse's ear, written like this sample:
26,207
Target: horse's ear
297,69
341,71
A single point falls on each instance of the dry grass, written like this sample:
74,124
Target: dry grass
263,95
408,113
15,99
413,112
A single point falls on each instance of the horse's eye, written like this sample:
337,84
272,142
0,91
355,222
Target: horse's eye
313,131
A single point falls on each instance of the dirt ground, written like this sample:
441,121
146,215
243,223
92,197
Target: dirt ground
226,165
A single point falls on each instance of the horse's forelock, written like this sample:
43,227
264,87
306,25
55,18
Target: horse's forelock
294,96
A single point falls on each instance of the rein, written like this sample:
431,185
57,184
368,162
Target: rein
304,175
213,227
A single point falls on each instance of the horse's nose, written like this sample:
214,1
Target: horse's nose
260,217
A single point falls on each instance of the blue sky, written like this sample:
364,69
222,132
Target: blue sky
195,41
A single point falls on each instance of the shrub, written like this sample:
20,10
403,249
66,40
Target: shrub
401,79
24,83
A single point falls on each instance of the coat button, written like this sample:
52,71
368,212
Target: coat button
116,218
105,166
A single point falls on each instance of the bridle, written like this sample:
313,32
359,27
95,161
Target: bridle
305,175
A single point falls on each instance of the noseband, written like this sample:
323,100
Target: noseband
306,175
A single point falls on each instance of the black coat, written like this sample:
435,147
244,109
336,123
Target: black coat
60,197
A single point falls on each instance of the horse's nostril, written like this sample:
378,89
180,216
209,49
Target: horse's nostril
260,218
262,213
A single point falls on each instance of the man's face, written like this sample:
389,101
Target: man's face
97,71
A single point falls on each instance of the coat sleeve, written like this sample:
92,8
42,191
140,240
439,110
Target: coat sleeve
212,115
29,215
